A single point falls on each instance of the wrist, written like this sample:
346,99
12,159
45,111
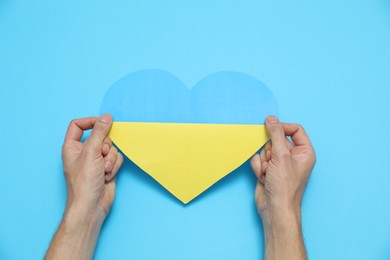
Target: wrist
280,211
283,235
77,234
282,220
78,215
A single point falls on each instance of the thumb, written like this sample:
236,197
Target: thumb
276,133
99,132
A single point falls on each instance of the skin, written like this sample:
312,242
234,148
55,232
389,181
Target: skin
89,170
283,169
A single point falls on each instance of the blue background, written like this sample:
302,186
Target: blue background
327,63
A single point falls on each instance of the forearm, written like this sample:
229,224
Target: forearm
283,237
76,236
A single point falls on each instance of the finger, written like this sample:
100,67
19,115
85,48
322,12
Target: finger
116,168
77,127
275,131
262,155
259,194
110,159
297,133
107,143
268,155
268,146
99,132
256,163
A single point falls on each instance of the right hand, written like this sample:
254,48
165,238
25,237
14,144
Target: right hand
283,169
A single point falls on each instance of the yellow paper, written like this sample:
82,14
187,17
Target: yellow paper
187,158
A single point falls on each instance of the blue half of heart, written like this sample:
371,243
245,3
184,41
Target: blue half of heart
224,97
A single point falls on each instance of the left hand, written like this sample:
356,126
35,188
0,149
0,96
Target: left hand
90,167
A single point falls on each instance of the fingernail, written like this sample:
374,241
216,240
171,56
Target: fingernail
272,120
263,179
108,176
107,165
105,118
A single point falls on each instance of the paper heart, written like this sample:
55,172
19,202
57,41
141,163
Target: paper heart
185,139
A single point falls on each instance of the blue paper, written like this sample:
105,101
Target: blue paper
221,98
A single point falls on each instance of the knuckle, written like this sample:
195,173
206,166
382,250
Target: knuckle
108,141
114,152
72,122
272,127
314,158
275,131
300,126
99,127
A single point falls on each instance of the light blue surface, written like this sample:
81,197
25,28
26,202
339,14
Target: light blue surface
327,63
223,97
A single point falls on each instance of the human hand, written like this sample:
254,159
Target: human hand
283,169
90,167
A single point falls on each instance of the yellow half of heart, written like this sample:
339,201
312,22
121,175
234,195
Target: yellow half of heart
187,158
